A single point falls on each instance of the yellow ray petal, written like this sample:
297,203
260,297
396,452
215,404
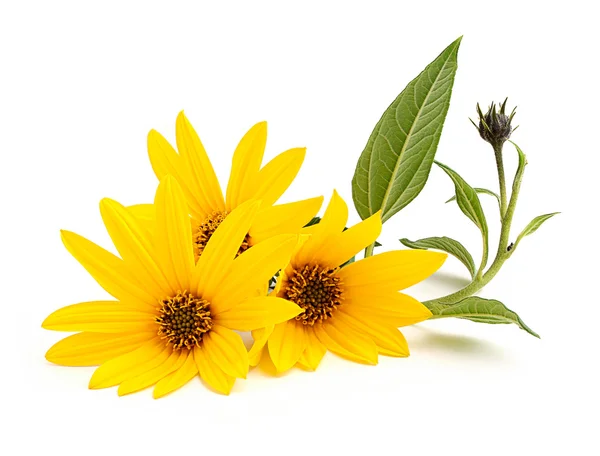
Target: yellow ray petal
332,224
219,253
144,213
245,165
165,161
388,339
211,373
283,218
173,237
286,344
129,365
394,270
260,336
173,363
204,182
277,175
313,353
252,270
109,271
226,349
348,243
92,349
100,316
177,379
257,313
134,243
393,308
345,341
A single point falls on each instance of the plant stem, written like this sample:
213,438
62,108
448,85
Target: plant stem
501,178
369,250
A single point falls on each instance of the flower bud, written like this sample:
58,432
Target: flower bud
495,126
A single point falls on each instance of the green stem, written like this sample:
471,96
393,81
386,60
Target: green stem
501,179
369,250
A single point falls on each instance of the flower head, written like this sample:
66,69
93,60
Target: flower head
352,310
173,318
194,172
495,126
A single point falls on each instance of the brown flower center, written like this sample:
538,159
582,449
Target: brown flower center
207,228
183,320
315,289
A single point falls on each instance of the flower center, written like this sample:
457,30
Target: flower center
315,289
207,228
183,320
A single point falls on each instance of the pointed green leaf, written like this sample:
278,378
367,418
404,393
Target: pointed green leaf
480,310
534,225
395,164
484,191
445,244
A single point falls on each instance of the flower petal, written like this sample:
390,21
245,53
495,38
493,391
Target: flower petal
393,308
226,349
283,218
260,336
92,349
143,212
345,341
251,271
245,165
277,175
204,182
394,270
129,365
99,316
177,379
109,271
173,237
257,313
218,255
286,344
173,363
211,373
313,353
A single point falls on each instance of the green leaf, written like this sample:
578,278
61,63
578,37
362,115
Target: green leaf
485,191
534,225
445,244
480,310
395,164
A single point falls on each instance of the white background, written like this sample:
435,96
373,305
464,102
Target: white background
81,83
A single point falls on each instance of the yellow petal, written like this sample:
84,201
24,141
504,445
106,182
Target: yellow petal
204,182
313,353
257,313
216,259
177,379
173,363
345,245
286,344
211,373
388,339
332,224
143,212
277,175
260,336
165,161
251,271
345,341
100,316
394,270
92,349
393,308
226,349
129,365
284,218
245,165
134,243
109,271
173,237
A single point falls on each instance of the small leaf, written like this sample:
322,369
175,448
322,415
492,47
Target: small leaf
480,310
395,164
534,225
485,191
445,244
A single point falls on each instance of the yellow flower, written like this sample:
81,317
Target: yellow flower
353,310
173,318
194,172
